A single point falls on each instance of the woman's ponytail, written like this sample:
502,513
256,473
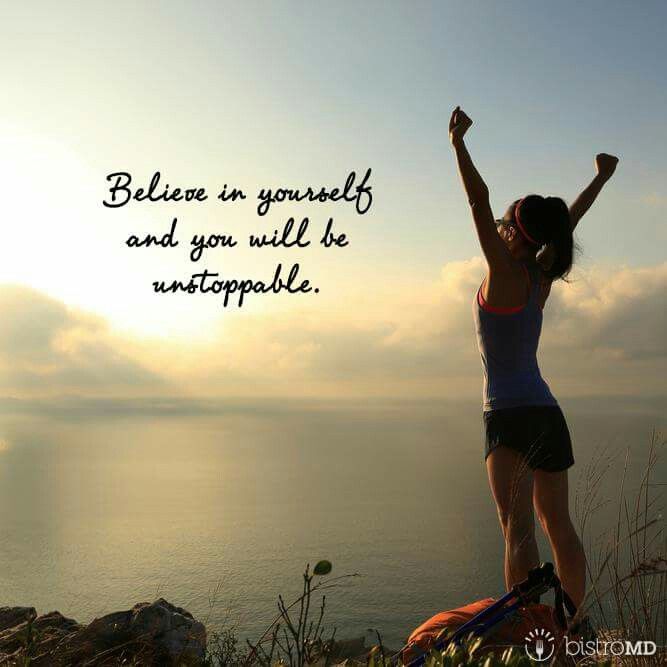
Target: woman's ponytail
559,236
546,221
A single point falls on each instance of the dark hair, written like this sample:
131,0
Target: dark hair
547,221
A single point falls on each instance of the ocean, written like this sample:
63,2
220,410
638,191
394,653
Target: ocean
218,507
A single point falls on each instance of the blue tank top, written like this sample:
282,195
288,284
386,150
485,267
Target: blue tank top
508,339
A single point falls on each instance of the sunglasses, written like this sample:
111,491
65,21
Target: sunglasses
509,223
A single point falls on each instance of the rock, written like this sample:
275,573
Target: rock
173,628
44,631
148,634
11,616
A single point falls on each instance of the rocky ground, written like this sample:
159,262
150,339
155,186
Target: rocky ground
148,634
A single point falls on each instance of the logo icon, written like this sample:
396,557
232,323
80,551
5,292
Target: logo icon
540,644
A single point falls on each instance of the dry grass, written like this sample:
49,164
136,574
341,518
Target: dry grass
627,563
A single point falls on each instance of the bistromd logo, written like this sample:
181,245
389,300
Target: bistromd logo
606,648
541,644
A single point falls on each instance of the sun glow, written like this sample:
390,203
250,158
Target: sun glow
59,239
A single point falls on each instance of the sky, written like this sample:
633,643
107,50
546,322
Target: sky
292,94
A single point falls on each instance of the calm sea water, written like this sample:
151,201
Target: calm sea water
219,509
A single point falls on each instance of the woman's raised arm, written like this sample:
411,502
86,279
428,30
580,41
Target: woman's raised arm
605,166
497,255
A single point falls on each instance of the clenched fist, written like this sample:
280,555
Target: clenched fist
458,125
605,164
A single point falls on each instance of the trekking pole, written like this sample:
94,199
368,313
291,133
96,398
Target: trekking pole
539,581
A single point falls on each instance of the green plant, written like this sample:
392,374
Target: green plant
298,640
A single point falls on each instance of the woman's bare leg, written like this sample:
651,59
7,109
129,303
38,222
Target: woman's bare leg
550,496
512,487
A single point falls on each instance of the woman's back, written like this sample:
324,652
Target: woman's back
508,339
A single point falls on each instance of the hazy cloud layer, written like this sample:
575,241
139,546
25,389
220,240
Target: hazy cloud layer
47,348
604,334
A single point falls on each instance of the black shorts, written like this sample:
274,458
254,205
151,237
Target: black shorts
538,432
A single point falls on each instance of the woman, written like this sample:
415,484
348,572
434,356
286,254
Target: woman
528,448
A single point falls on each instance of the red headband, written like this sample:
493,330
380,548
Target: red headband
522,229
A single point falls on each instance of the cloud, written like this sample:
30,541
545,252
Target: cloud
617,310
407,341
603,334
46,347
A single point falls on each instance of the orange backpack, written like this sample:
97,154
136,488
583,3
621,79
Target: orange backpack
512,632
513,620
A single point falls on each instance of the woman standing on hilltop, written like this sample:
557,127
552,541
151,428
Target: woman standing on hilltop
528,448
